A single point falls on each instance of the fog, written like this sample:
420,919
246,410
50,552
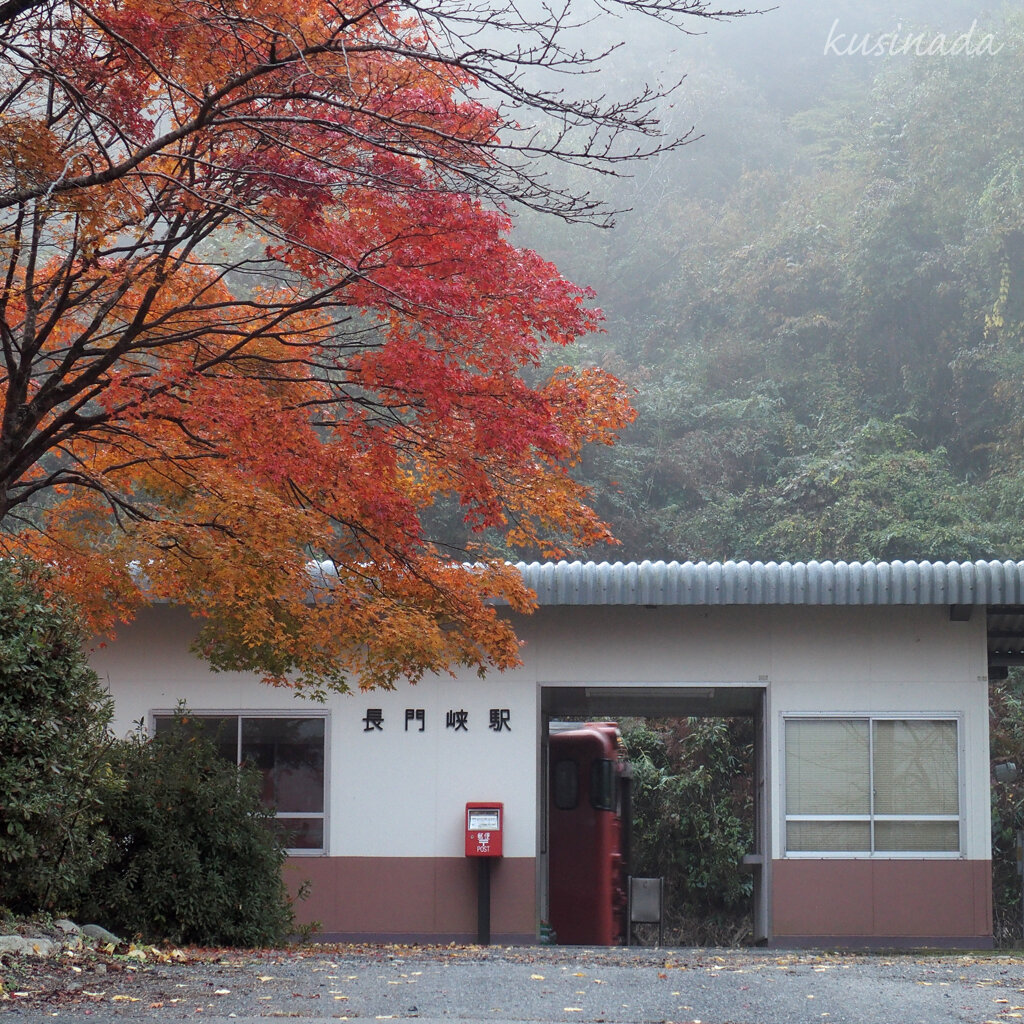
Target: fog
818,300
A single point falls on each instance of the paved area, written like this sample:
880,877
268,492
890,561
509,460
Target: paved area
511,985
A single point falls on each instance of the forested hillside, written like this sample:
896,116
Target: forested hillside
820,303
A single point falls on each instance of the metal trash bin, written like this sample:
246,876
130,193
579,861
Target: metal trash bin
645,904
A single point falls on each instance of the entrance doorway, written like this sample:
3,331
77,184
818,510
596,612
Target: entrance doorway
596,702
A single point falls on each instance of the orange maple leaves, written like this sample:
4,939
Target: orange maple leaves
257,319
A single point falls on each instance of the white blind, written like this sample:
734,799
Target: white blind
828,836
827,767
872,786
916,767
921,836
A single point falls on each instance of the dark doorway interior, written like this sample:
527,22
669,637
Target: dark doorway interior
566,843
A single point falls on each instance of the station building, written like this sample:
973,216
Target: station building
867,684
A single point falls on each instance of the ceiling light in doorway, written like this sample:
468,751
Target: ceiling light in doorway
686,692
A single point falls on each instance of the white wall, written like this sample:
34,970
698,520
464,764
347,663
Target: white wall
828,659
399,793
391,793
903,660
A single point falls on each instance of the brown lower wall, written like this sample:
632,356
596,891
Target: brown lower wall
422,899
814,902
898,902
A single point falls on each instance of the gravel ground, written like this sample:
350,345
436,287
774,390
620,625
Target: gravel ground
516,984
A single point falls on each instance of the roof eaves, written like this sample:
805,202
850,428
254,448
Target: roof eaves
769,583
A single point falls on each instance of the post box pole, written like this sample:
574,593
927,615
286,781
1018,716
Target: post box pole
483,901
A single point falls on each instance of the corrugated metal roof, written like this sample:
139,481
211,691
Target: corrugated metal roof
754,583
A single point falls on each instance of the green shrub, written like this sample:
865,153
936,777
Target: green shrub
53,748
1006,739
195,857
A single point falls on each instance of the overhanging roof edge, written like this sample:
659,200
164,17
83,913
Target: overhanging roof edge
770,583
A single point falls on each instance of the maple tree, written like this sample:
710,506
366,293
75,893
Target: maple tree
260,310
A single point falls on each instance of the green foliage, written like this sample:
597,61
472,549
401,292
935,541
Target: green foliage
876,494
1006,741
693,822
844,306
195,857
53,748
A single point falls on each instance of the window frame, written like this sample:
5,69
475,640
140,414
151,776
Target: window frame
873,817
239,715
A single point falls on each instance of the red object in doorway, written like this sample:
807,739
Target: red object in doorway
588,835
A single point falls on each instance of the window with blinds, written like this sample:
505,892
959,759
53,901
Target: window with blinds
885,786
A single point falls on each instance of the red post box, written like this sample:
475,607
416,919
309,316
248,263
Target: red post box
485,823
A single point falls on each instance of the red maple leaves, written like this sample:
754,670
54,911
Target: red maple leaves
257,312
